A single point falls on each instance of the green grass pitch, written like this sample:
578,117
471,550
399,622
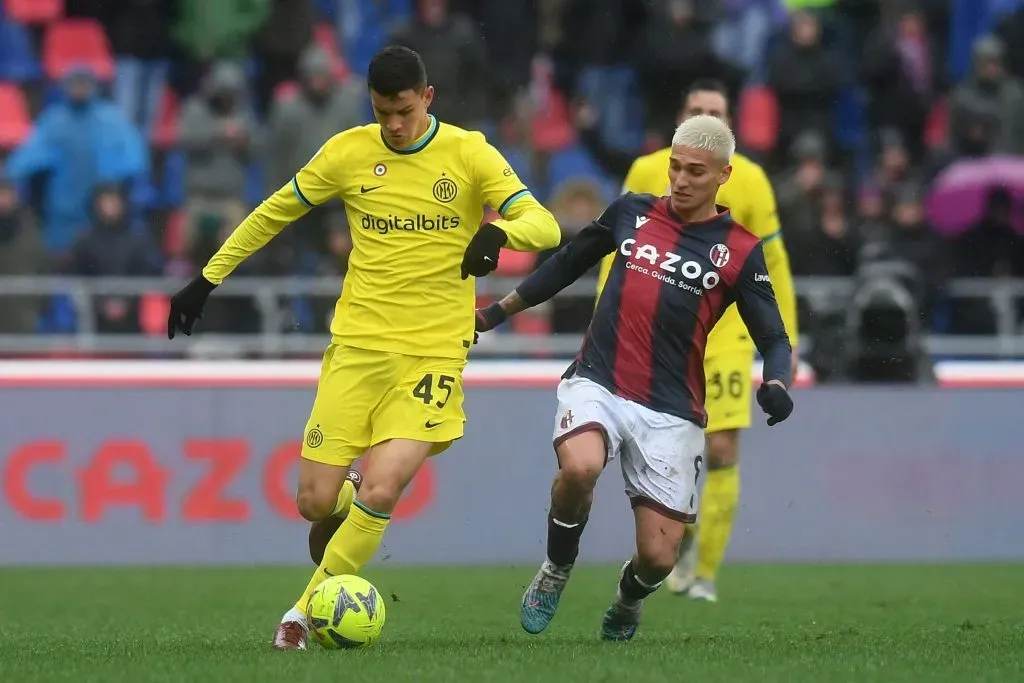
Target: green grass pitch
775,623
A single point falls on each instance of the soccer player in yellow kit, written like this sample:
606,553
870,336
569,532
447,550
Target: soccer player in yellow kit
730,351
391,380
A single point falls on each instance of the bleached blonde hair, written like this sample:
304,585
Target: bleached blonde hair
707,133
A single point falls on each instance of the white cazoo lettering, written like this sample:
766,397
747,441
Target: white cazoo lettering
691,270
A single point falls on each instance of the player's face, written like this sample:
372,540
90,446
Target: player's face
705,102
695,177
402,118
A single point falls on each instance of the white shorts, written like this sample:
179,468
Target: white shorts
661,455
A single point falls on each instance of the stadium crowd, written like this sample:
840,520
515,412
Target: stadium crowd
136,134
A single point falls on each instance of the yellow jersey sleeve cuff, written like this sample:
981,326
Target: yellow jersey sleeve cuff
512,199
298,193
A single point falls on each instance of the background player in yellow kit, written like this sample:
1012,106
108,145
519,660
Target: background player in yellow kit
391,381
730,351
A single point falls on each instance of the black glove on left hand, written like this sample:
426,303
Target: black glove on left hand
187,305
481,257
775,401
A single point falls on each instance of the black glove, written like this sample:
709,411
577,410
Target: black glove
187,305
481,257
489,318
775,401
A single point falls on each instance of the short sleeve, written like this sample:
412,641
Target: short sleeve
498,182
322,178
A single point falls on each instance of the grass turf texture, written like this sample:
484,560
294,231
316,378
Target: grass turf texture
775,623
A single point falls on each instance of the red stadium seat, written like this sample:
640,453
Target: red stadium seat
77,42
936,126
15,120
153,310
174,234
512,263
758,120
286,90
324,36
165,132
34,11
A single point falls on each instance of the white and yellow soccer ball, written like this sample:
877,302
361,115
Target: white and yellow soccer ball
345,612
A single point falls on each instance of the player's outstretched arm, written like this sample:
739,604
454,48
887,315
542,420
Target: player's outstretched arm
558,272
312,185
755,300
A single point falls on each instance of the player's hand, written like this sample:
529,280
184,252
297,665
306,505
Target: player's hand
489,318
481,257
775,401
187,305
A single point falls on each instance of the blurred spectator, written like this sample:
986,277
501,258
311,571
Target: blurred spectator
220,136
898,71
992,248
300,125
910,239
140,36
454,53
743,29
675,49
208,31
797,191
285,34
830,247
805,76
110,248
78,142
990,88
21,253
893,163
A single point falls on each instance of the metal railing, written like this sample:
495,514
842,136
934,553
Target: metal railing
818,294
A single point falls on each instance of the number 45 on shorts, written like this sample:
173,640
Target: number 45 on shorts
434,386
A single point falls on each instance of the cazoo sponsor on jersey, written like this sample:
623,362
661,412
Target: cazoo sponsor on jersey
668,267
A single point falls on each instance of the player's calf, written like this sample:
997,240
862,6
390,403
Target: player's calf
321,532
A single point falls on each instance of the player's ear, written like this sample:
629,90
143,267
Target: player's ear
428,95
725,174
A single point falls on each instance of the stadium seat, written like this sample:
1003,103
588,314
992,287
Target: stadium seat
936,127
34,11
515,263
576,162
153,309
17,58
174,234
324,36
165,132
758,119
77,42
15,120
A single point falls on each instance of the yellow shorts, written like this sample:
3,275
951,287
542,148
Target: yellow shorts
365,397
727,377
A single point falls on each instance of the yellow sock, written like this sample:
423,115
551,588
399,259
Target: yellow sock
717,509
345,498
351,547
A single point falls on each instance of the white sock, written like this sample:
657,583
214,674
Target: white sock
295,615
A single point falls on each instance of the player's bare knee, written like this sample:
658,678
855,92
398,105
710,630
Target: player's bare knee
314,505
723,448
581,458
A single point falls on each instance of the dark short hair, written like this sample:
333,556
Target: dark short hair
708,85
395,69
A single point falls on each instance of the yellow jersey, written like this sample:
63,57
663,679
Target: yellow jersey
748,195
412,212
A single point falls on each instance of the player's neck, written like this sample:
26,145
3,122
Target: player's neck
421,130
695,215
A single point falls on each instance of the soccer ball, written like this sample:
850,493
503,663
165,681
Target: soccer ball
345,612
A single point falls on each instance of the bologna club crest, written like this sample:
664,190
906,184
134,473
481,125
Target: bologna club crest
719,255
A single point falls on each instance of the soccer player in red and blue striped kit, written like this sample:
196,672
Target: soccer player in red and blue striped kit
636,389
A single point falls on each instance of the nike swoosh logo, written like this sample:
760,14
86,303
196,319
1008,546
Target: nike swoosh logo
363,189
431,424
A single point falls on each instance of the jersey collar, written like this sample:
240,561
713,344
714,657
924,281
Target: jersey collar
723,215
424,140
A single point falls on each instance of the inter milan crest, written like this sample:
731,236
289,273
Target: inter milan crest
719,255
445,189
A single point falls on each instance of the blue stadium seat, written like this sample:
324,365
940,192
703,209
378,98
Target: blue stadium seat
575,162
18,62
255,190
172,190
59,317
